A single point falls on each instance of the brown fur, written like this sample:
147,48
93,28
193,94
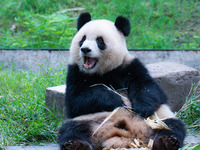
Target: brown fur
123,127
119,131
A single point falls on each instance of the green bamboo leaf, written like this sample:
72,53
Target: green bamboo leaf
197,147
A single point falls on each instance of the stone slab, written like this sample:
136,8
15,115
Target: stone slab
188,58
175,79
191,138
36,147
26,59
55,99
58,59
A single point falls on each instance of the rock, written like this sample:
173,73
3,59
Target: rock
175,79
55,99
50,146
25,59
40,60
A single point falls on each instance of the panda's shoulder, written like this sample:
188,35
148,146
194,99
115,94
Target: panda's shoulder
135,66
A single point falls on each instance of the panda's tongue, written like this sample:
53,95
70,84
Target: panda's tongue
89,62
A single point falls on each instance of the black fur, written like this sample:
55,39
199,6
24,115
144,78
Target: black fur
123,25
101,44
83,19
81,95
75,135
170,139
83,92
82,40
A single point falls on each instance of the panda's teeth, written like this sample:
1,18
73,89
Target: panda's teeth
87,66
89,62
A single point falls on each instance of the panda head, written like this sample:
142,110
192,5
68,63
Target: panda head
99,45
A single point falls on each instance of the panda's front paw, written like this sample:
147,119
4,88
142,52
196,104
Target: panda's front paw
165,143
76,145
143,110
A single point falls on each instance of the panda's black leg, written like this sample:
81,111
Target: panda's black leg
166,143
75,135
76,145
170,139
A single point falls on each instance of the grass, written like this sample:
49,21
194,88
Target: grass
156,24
190,112
24,117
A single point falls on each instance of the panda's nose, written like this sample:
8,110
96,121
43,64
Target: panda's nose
85,50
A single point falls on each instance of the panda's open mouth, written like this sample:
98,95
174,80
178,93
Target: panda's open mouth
89,62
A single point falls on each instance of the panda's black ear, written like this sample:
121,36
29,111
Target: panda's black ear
83,19
123,25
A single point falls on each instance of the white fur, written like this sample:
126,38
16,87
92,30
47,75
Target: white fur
114,55
165,112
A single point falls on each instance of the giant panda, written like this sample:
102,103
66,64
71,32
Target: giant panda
99,61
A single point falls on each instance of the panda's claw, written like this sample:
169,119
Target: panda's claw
172,142
76,145
166,143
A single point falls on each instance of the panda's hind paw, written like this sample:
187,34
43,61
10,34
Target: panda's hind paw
76,145
166,143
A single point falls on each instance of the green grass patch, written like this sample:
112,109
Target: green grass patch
161,24
24,118
190,112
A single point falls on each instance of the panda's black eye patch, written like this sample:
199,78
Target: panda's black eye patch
82,40
100,43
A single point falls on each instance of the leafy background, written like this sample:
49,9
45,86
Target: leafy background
158,24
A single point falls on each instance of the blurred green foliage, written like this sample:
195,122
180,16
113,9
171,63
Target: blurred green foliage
155,23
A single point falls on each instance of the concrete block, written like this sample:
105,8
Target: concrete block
175,79
59,59
188,58
55,99
50,146
25,59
